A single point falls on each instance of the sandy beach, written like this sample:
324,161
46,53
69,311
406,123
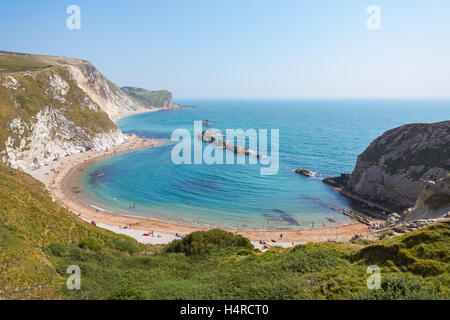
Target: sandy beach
131,113
57,175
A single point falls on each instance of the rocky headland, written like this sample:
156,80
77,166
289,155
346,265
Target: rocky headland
404,171
160,99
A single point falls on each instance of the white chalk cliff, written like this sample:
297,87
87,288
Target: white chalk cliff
56,106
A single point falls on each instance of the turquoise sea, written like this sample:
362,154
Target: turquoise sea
324,136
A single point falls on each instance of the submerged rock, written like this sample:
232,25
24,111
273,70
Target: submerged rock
281,215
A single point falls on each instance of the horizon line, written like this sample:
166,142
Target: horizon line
315,98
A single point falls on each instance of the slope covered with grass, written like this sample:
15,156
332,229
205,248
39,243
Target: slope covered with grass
39,239
150,99
32,229
18,62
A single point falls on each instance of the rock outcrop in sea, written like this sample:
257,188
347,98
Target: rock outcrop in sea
304,172
403,166
211,137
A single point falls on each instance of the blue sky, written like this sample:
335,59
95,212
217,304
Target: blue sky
247,48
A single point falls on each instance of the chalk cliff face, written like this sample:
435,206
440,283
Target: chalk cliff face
103,92
51,106
392,171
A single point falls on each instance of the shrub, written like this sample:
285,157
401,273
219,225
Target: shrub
308,258
57,249
90,244
129,293
125,246
403,286
201,242
427,268
380,253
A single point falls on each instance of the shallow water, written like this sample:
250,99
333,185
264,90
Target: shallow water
324,136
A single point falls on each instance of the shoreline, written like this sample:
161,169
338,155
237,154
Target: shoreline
164,232
116,117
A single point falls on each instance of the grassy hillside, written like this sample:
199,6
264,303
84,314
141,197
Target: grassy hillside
21,62
39,240
32,228
16,62
156,99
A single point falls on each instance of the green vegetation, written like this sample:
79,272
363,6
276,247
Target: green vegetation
404,286
425,252
156,99
202,242
39,239
17,62
34,230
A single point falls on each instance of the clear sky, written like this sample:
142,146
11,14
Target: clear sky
247,48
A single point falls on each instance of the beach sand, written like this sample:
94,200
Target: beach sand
131,113
57,183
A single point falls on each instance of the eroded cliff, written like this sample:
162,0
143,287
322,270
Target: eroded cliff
393,171
51,106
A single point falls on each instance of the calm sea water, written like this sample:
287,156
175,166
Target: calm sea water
324,136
